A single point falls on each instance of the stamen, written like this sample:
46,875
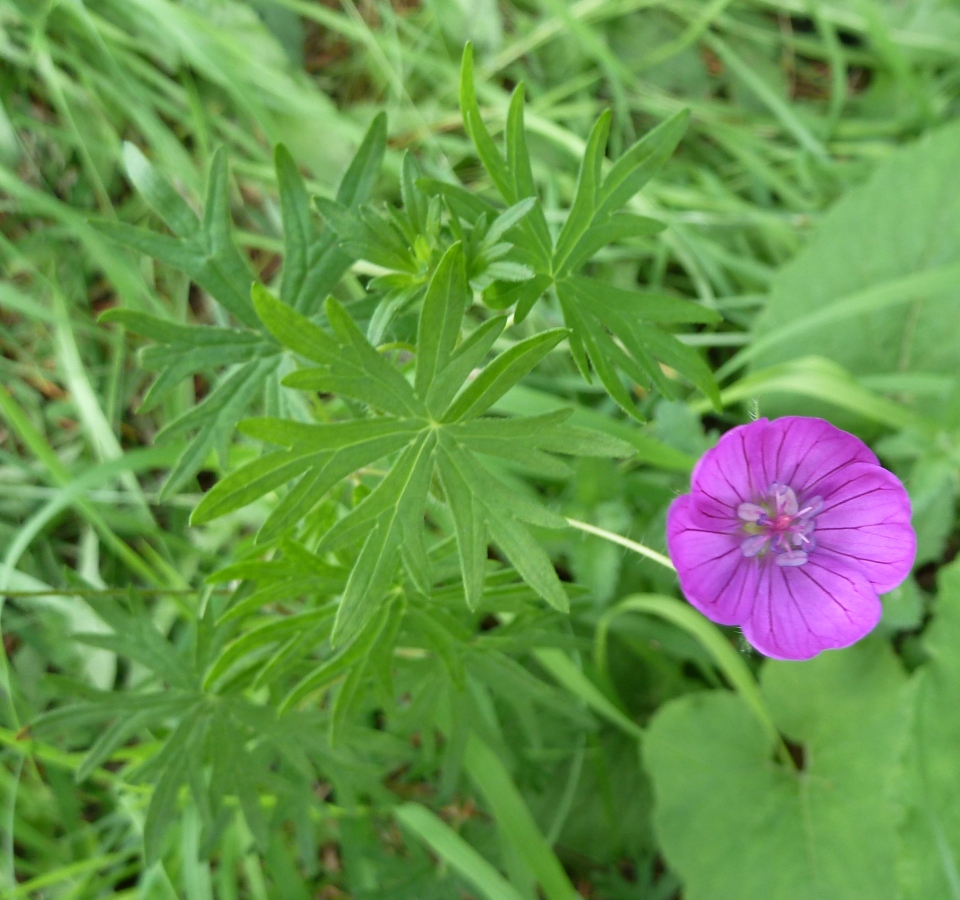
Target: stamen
750,512
790,504
751,546
791,558
779,526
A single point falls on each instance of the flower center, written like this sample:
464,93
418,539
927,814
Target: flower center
777,526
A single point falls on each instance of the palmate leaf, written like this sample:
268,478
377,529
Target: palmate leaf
204,249
409,242
613,331
216,746
434,426
313,261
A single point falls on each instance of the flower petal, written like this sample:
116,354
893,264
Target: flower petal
801,451
824,604
866,520
714,574
729,474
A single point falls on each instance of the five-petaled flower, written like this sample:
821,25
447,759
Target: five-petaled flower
791,530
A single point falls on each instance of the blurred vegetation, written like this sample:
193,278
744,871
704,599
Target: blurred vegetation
794,105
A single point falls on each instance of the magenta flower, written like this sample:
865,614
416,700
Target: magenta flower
791,530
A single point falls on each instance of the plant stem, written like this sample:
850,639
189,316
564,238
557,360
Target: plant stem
623,542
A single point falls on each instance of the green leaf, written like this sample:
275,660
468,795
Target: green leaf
411,509
597,346
518,164
639,164
598,237
377,561
469,355
735,825
528,458
208,255
518,156
173,762
502,374
591,311
525,401
313,261
167,332
443,308
329,435
232,774
473,123
120,732
449,645
364,169
470,528
524,295
455,852
527,557
382,501
292,329
215,416
161,196
686,360
356,654
895,310
576,441
383,383
263,635
365,235
223,270
515,821
252,481
660,308
585,200
507,220
461,202
929,787
414,200
525,428
494,493
315,483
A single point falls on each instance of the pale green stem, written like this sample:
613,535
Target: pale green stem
623,542
704,631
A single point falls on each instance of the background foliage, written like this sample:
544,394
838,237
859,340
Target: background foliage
318,332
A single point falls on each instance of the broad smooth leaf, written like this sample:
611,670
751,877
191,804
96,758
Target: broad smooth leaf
929,790
736,825
898,277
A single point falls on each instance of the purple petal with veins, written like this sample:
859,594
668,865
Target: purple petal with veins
791,530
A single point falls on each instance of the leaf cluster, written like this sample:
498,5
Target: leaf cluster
245,357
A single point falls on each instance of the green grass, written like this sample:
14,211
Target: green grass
793,105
